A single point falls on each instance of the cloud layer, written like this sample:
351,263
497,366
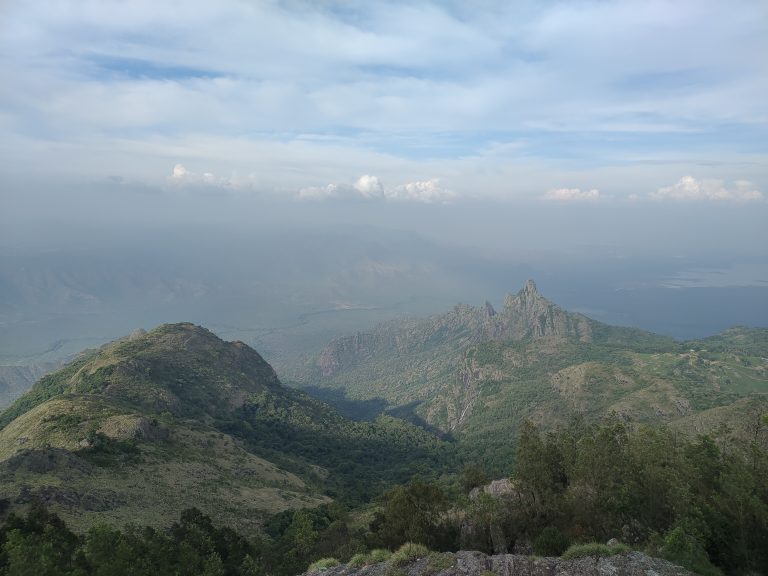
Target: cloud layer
689,188
370,188
504,100
573,195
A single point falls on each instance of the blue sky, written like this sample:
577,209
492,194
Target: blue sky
602,101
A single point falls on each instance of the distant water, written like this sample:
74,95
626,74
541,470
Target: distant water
674,311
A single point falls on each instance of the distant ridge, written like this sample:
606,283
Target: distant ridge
478,373
526,314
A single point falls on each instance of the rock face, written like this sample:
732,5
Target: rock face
525,314
528,313
477,564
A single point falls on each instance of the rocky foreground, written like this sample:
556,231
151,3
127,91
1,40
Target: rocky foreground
478,564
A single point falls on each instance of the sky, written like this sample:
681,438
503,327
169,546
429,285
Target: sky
431,102
250,163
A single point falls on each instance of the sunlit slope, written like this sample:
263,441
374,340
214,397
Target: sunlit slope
161,421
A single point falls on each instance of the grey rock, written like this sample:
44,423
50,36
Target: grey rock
467,563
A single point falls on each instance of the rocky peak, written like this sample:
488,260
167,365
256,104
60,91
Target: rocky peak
528,313
489,309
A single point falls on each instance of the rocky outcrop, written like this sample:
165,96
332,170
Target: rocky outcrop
477,564
526,314
496,488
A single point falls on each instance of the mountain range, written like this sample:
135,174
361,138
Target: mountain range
476,373
159,421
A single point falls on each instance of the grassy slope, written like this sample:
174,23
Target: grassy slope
150,425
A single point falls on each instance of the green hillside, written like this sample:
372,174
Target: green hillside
478,374
158,422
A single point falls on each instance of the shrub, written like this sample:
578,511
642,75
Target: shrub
407,552
594,549
683,549
323,564
379,555
551,542
359,560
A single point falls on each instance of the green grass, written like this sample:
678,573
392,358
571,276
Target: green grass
437,562
323,564
407,553
358,560
379,555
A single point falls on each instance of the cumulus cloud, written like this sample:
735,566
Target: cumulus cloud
427,191
370,187
180,176
573,195
690,188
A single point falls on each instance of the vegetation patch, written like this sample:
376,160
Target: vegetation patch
551,542
437,562
407,553
379,555
359,560
323,564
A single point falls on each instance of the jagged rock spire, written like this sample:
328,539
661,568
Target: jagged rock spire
530,287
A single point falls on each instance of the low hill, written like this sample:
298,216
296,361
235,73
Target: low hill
477,373
161,421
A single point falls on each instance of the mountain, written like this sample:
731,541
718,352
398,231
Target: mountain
477,373
18,378
161,421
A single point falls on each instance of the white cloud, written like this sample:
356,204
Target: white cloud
427,191
371,188
690,188
179,172
573,195
181,177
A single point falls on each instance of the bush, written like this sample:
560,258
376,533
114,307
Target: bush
379,555
594,549
359,560
323,564
683,549
408,552
551,542
373,557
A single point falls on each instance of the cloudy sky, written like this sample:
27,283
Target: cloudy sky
434,102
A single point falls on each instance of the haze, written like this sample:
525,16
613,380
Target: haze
288,172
